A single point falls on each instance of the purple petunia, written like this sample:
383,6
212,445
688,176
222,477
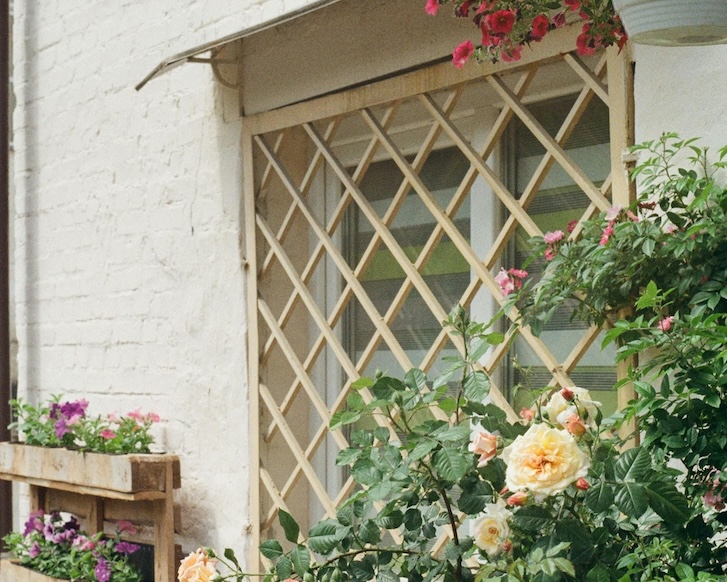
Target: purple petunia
126,548
102,570
35,522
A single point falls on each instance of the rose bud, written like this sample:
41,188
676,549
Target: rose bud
582,484
517,499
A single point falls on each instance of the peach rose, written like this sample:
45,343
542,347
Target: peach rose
544,461
197,567
483,444
575,425
492,530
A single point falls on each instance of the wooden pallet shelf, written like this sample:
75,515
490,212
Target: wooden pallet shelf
97,487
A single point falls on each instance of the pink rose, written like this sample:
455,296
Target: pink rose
527,414
484,444
574,424
549,254
572,225
505,281
462,53
666,323
517,499
553,237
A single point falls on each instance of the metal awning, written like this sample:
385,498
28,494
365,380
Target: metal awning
192,55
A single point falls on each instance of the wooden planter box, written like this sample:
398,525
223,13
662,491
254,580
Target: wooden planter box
13,572
142,476
98,488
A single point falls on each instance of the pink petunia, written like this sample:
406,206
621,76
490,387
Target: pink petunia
512,54
501,21
462,53
108,434
540,27
432,7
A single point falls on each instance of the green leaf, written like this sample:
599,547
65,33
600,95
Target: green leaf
632,499
300,558
290,526
451,464
600,497
283,567
413,519
323,537
347,456
449,434
633,464
355,401
598,574
382,490
474,498
666,500
342,418
362,382
271,549
392,519
533,518
422,449
476,386
649,296
387,576
416,379
369,532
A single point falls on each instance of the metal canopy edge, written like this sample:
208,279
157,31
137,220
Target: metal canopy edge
189,55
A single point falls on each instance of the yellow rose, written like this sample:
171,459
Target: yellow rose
197,567
492,530
544,460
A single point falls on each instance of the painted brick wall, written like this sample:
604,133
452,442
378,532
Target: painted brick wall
128,279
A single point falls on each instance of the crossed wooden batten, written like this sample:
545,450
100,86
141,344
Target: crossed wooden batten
314,127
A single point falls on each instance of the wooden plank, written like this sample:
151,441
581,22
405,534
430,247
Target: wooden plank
127,474
11,571
253,346
557,42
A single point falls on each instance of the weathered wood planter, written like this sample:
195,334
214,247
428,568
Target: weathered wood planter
13,572
98,487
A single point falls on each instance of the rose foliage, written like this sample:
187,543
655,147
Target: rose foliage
53,545
506,26
66,424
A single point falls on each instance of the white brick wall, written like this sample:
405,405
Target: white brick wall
129,285
128,279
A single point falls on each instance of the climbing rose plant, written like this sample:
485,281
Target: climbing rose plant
506,26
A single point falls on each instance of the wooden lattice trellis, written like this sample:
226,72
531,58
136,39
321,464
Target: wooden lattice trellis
304,166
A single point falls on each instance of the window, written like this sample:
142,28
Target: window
373,213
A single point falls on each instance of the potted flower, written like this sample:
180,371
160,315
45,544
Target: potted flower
62,443
52,547
505,27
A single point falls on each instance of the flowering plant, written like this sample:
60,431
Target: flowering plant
53,545
506,26
66,424
674,238
547,497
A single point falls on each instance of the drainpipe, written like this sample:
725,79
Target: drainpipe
6,490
